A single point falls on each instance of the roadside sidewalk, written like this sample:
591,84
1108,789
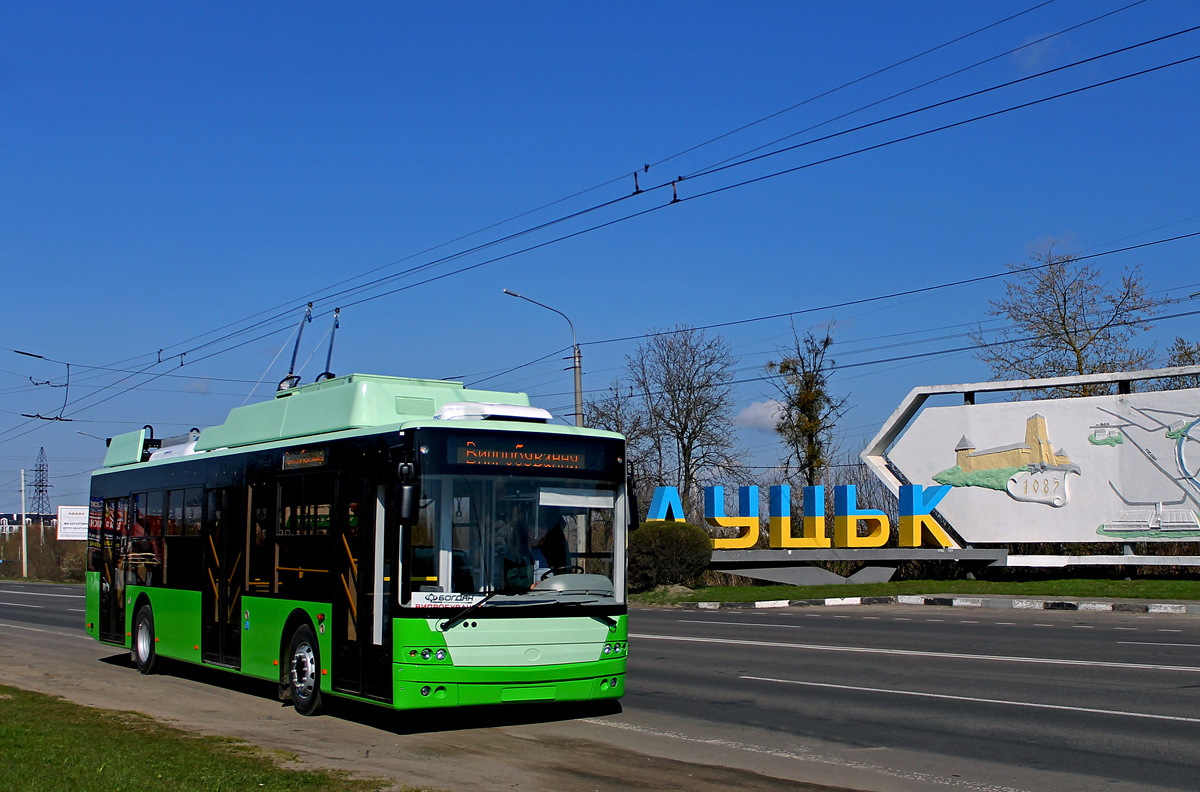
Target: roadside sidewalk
960,601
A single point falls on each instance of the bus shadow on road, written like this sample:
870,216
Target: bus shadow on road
427,721
216,678
382,717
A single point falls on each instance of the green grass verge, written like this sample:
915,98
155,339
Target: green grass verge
50,744
1100,589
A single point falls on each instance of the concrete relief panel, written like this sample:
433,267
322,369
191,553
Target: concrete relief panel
1104,468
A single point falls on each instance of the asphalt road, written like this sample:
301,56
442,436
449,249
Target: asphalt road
871,698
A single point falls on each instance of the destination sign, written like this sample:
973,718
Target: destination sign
525,452
305,458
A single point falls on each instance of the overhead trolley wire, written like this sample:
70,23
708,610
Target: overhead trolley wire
925,84
856,81
723,188
312,296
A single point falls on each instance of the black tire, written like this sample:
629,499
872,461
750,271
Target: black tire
304,671
143,640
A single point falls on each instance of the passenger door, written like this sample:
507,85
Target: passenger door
224,540
362,629
114,540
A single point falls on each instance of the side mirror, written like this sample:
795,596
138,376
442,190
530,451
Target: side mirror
408,505
408,501
631,499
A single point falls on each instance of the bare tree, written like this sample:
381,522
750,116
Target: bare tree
1183,353
684,380
619,410
809,411
1063,319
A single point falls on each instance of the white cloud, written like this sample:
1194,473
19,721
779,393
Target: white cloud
759,415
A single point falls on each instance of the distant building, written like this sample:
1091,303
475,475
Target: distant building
1036,450
11,523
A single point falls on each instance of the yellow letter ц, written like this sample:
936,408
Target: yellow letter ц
916,522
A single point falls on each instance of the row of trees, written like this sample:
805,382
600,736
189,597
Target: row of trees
1062,318
676,402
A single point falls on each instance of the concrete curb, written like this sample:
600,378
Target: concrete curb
1019,603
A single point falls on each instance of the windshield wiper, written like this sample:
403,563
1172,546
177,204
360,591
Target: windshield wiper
465,612
607,620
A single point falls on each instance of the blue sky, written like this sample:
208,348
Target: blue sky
173,173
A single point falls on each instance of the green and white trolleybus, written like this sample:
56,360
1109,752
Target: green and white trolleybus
408,542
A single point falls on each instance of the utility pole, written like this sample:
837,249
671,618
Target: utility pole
576,356
24,542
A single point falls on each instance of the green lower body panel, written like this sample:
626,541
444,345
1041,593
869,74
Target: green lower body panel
412,692
176,620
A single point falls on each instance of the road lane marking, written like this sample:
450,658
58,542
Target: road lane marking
20,605
918,653
48,632
1005,624
1153,643
743,624
21,593
1125,628
976,700
804,754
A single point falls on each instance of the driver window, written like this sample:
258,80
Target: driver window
420,560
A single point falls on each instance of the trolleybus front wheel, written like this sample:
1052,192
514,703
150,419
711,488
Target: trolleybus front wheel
143,640
304,671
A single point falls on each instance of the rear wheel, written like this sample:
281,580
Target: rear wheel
304,671
143,640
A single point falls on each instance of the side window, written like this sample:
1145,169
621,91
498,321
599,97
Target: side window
174,526
260,571
193,511
95,525
304,536
114,539
145,539
181,517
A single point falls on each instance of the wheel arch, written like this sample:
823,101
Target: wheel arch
295,620
143,598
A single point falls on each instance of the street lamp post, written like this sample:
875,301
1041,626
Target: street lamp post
576,357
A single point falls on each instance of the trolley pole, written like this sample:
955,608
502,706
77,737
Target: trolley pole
576,356
24,539
577,362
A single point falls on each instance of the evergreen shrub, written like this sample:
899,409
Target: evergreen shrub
667,553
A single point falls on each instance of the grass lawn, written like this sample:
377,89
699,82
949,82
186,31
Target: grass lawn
50,745
1100,589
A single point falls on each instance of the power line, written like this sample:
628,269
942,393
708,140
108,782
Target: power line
925,84
313,295
708,193
856,81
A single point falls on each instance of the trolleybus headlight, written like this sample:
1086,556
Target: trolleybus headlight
607,648
426,654
425,690
440,654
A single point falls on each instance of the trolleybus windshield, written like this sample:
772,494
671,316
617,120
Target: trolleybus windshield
521,519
